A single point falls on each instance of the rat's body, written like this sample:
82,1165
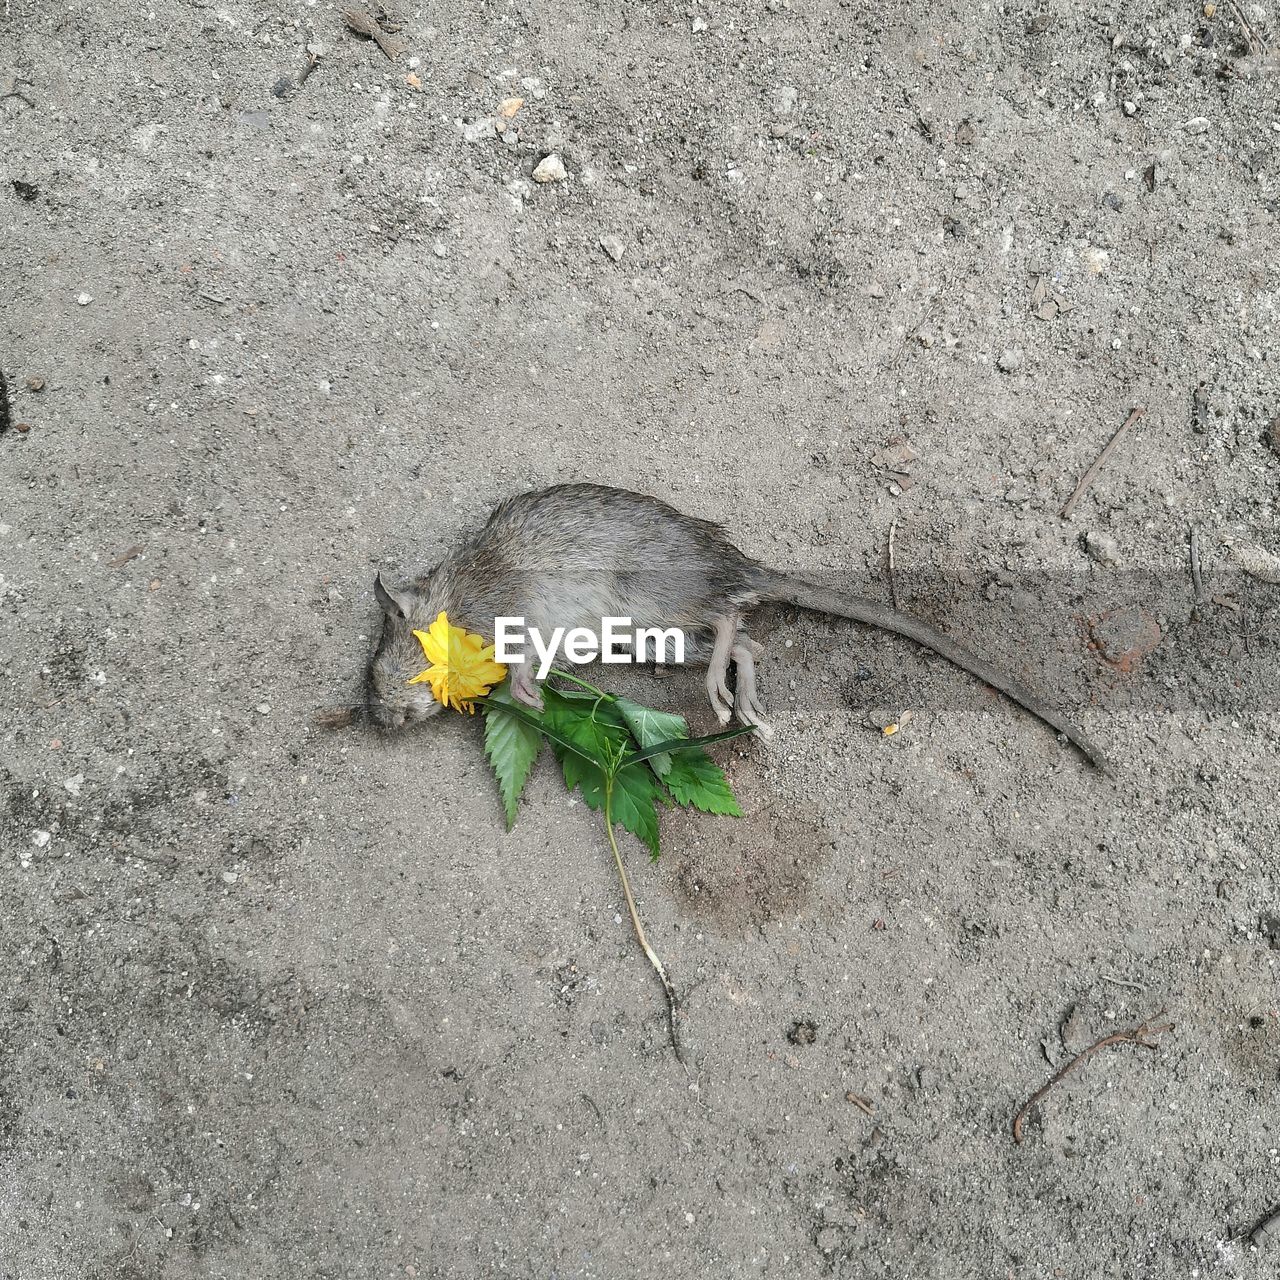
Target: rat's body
574,554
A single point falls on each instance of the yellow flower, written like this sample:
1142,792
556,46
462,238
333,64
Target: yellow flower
462,665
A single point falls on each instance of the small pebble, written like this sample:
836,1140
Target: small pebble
1009,360
22,427
479,130
35,384
230,877
73,785
613,247
550,169
84,299
263,708
41,838
1103,548
1197,124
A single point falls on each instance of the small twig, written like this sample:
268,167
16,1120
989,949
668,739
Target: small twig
861,1103
1140,1035
893,581
1089,476
635,921
313,61
1197,582
595,1106
1121,982
1255,42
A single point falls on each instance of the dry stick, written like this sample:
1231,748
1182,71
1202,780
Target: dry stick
639,928
1134,1035
1255,42
1089,476
893,581
1197,582
861,1103
1122,982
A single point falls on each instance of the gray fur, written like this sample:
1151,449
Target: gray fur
573,554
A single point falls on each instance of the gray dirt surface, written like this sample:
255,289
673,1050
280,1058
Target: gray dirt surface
280,1002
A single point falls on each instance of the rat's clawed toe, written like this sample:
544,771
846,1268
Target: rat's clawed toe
524,688
746,702
718,694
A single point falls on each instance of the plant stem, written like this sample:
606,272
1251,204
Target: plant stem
582,684
635,918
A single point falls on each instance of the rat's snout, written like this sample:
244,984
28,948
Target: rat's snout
386,717
389,716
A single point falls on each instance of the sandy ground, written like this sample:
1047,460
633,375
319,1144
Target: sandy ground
276,1002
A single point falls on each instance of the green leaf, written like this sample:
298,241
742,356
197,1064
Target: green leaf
585,740
589,727
677,745
651,728
596,732
511,745
536,720
695,779
634,791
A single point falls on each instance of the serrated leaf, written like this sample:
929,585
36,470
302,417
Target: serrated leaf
678,745
511,746
650,728
634,791
596,731
589,778
590,727
695,779
585,739
535,720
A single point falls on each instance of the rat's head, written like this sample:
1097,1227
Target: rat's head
392,700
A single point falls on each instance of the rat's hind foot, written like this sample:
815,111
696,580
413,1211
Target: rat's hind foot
746,702
726,628
524,686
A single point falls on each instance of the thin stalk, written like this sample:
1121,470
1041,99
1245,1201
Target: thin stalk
582,684
635,918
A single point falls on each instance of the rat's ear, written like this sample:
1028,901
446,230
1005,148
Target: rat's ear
391,603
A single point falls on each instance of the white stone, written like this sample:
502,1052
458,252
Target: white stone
550,169
479,130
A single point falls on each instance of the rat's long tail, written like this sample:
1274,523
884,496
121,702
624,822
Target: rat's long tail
781,589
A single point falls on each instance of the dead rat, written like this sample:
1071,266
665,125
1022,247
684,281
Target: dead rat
575,554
